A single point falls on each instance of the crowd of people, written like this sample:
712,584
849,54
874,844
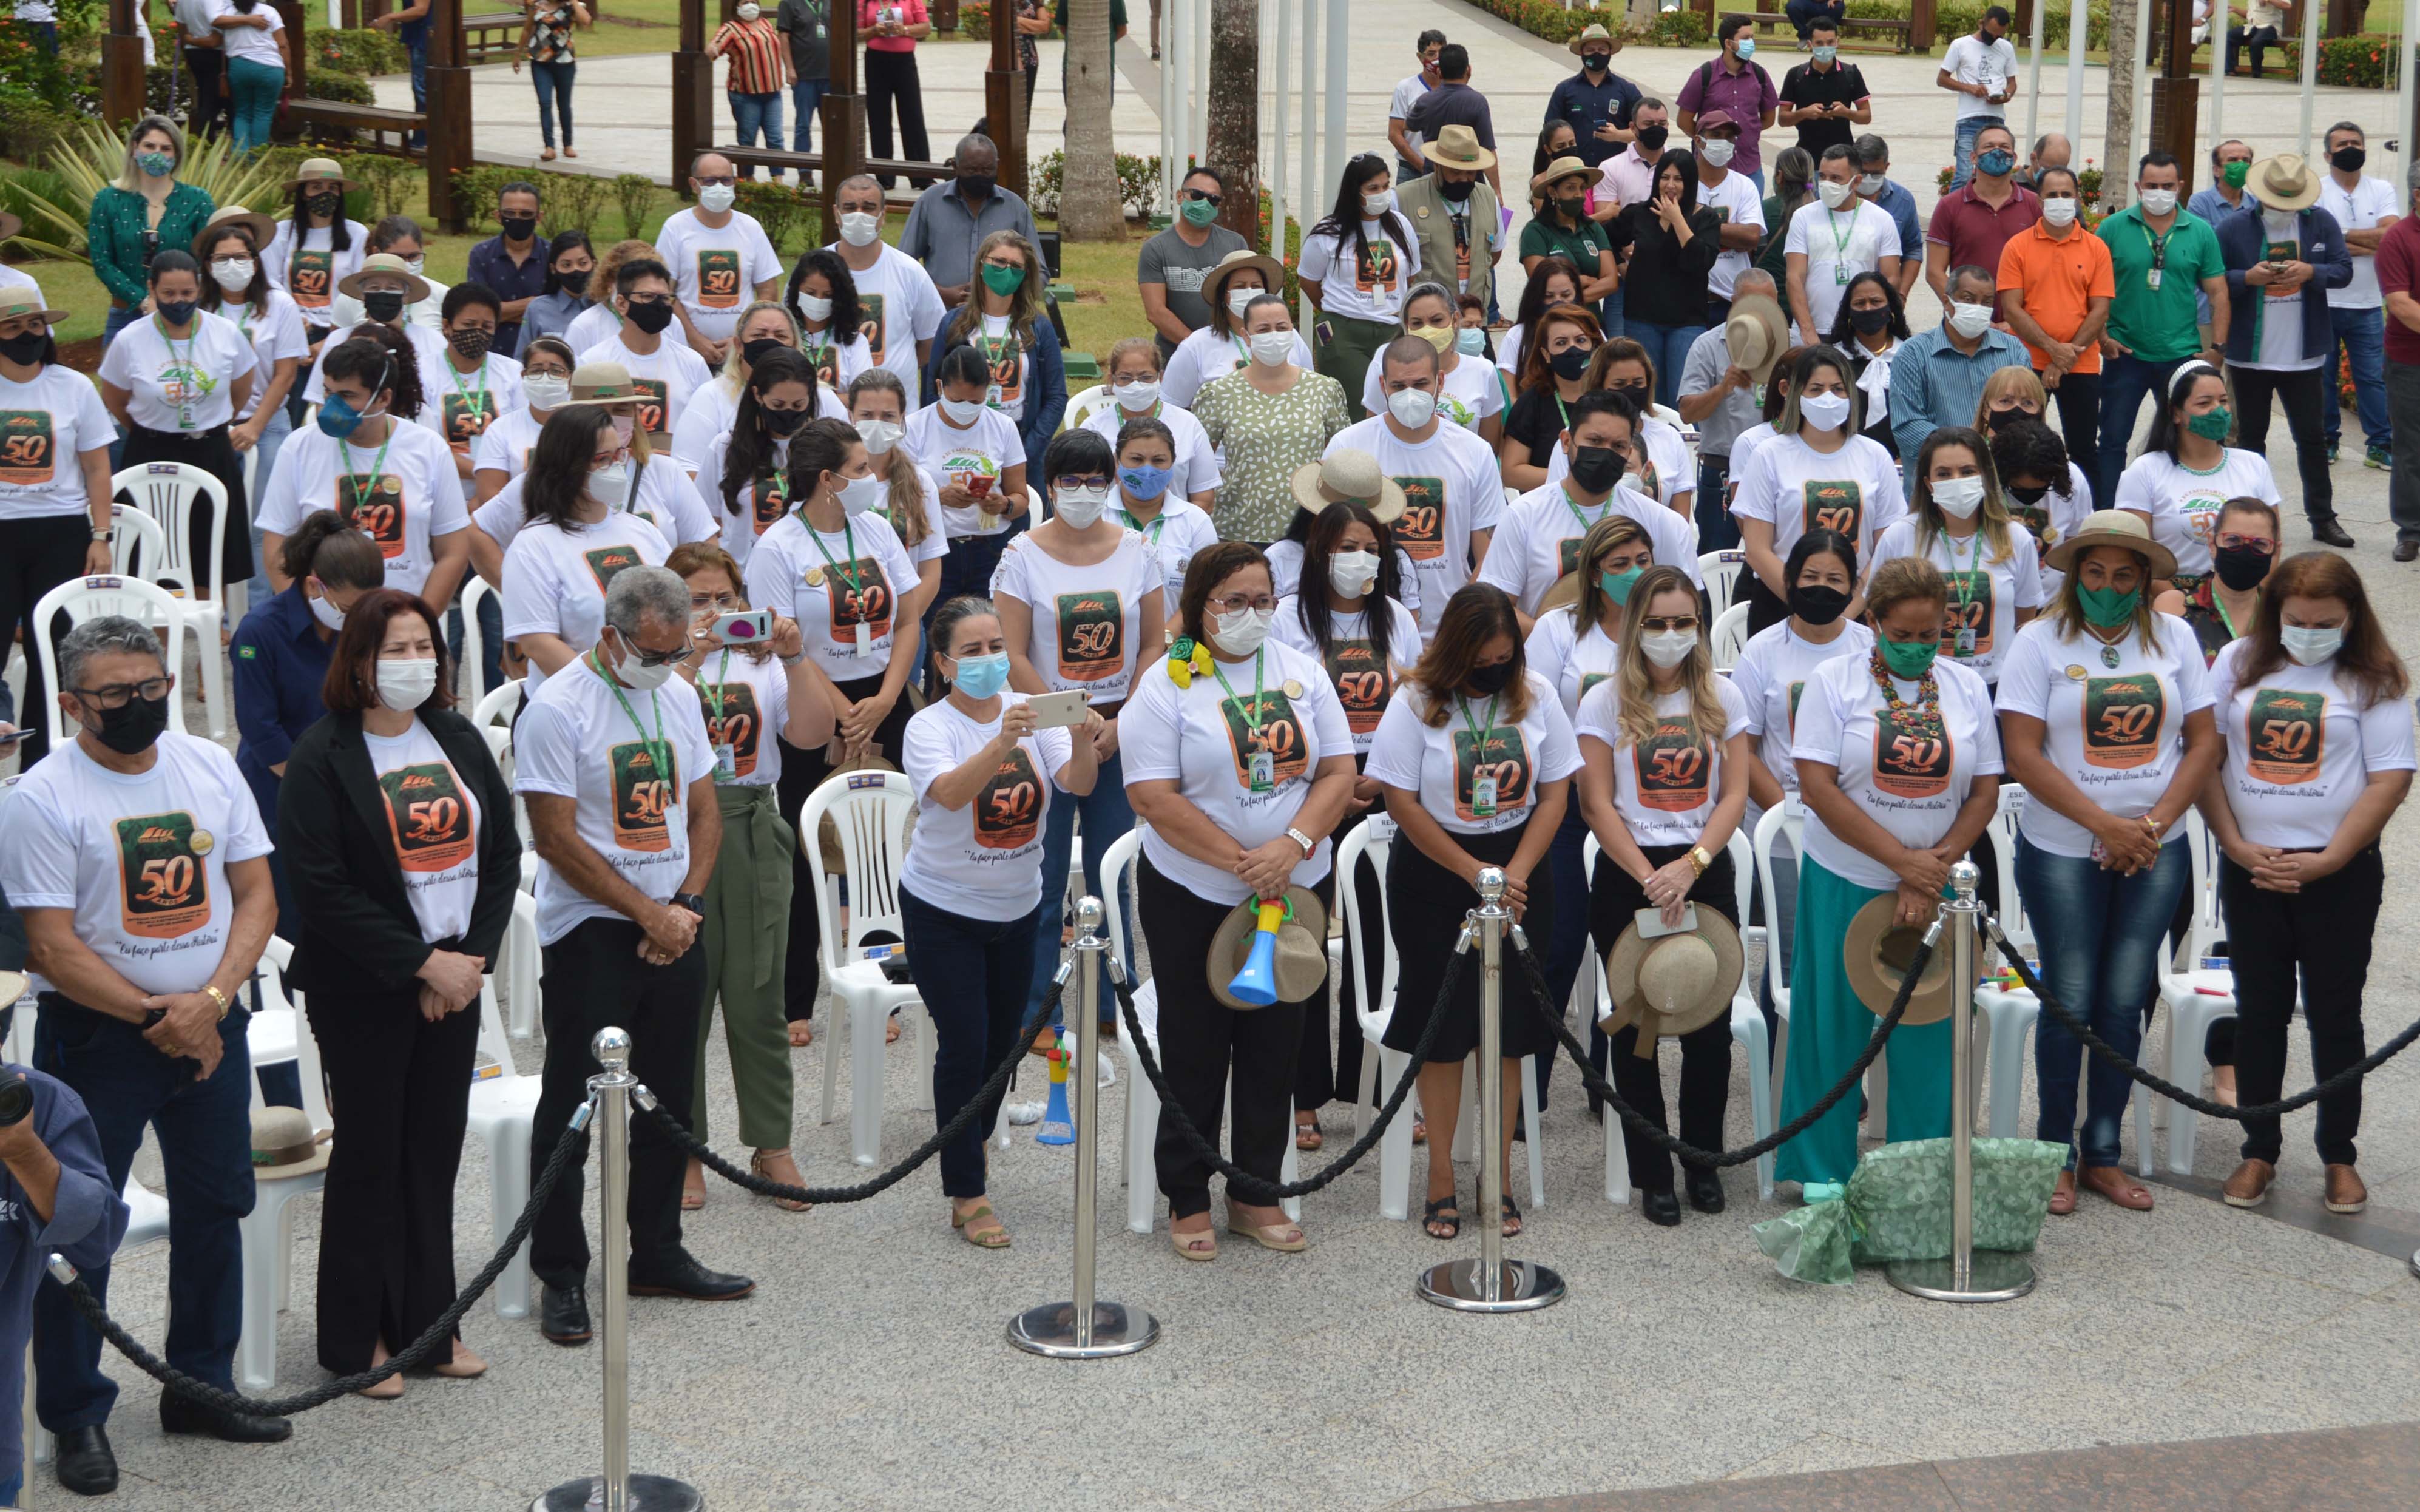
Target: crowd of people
1271,583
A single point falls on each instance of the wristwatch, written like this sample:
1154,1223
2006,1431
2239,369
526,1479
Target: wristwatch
1302,839
1700,859
105,537
791,661
693,902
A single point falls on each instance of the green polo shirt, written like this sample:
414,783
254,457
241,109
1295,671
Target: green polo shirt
2159,325
1541,238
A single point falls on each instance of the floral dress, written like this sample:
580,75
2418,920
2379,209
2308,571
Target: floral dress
549,38
1263,440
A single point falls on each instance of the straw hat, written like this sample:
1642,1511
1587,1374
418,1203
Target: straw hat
1300,963
1563,167
1593,34
1756,335
415,288
1675,982
1348,472
283,1145
1214,283
1457,147
2283,182
320,168
13,986
21,300
263,229
2113,527
601,383
1875,953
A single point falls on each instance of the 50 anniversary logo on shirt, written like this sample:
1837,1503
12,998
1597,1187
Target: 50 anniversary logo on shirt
28,444
425,814
163,888
643,795
373,503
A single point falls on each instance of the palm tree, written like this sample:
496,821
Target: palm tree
1088,207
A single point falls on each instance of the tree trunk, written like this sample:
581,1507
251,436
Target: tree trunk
2116,156
1087,186
1234,111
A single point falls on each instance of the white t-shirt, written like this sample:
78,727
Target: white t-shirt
140,860
554,579
276,333
46,427
1087,621
1910,780
2358,210
1666,789
1011,365
2184,504
1450,769
631,791
1838,246
311,269
1537,540
836,362
427,354
1771,674
1984,595
1206,355
759,508
2057,516
716,269
505,444
744,699
709,413
663,497
434,819
1734,202
2301,746
897,307
1743,447
976,458
1451,488
1471,393
253,43
1399,105
982,860
834,585
1973,61
182,386
1572,661
666,379
1356,287
1854,490
1286,574
1179,529
1667,473
2117,732
402,494
1200,738
596,323
460,407
1196,470
1362,686
2277,347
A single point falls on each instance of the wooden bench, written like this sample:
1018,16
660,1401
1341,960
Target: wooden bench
378,120
492,37
1897,36
803,163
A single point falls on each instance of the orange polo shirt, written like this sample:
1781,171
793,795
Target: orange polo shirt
2057,278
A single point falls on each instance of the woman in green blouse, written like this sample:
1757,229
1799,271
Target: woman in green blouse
1270,418
143,210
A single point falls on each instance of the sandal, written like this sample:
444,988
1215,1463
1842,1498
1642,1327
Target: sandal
2062,1195
1286,1238
1446,1212
547,156
1309,1135
757,1167
2119,1187
802,1034
1419,1130
1198,1245
1512,1218
972,1228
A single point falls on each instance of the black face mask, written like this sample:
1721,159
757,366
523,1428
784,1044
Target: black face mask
2239,567
1597,468
978,184
575,284
328,204
175,312
783,424
1570,364
2027,494
519,227
1817,604
1489,681
753,351
133,727
27,348
2000,420
382,306
2348,159
1871,322
652,316
1597,62
1571,206
1652,137
1454,192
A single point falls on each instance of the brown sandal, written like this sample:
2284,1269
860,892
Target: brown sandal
1309,1136
972,1228
2119,1187
2062,1195
756,1163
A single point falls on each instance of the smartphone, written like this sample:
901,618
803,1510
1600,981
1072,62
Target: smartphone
11,737
747,628
1652,926
1058,711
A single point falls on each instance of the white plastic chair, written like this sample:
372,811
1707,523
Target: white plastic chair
872,811
267,1233
2196,999
1730,638
470,675
83,598
167,492
140,546
1721,571
503,1110
1374,1009
520,963
1786,820
1083,405
2010,1013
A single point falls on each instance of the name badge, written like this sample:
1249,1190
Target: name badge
1965,642
726,763
2151,279
1261,772
1483,796
864,638
1840,273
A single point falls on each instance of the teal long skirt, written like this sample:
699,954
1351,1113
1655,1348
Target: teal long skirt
1828,1029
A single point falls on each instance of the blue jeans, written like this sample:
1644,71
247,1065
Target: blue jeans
1804,13
205,1132
806,98
750,111
46,36
254,86
2100,934
1610,314
419,51
1962,162
553,82
1667,347
971,973
2124,382
273,440
2361,335
1107,816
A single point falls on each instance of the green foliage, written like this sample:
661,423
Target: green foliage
31,129
90,158
346,88
1137,181
475,188
387,182
1680,28
635,192
2365,61
974,20
363,50
1549,20
28,73
567,201
781,210
1290,258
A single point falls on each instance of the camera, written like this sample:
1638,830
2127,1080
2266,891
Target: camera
16,1096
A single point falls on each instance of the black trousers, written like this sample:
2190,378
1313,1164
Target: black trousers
210,451
1614,898
2078,397
892,77
593,976
803,772
209,67
2323,933
386,1244
2306,394
1318,1079
35,556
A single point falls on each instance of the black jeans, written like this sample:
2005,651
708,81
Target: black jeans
892,77
593,976
209,67
1318,1080
2324,933
973,974
803,772
1614,899
35,556
2078,396
2306,395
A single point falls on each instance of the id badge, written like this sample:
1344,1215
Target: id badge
184,418
1841,274
1262,772
819,31
2151,279
1483,796
726,763
992,395
864,638
1965,642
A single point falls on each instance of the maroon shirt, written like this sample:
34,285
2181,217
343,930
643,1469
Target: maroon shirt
2398,272
1974,232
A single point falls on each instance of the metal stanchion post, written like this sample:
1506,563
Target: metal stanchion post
1964,1275
1492,1283
1085,1329
617,1490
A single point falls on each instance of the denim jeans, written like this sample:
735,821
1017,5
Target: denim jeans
750,111
2361,335
1805,13
46,35
2124,382
971,973
205,1136
1716,529
491,639
1567,946
253,90
806,98
553,82
1667,347
2100,933
419,52
1107,816
273,432
1610,314
1962,162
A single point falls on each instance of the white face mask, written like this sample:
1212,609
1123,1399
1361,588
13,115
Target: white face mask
859,229
544,391
1139,395
1273,349
1870,183
2308,646
415,265
1241,633
880,435
1824,411
1237,298
1958,498
233,273
1718,152
1411,408
1667,649
815,309
2280,224
2159,201
2059,212
963,413
641,678
750,12
327,613
1970,320
858,495
1835,195
1374,206
1351,573
612,486
1082,507
404,683
716,198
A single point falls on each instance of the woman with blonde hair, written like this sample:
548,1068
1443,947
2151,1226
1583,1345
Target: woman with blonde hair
1133,375
2010,395
144,208
1958,522
764,326
1006,319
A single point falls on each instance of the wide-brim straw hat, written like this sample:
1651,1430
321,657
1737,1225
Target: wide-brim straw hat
1457,147
1593,33
1673,983
1875,953
1299,962
1348,472
387,265
284,1145
1214,283
320,168
602,383
18,299
1756,334
2283,181
13,986
263,229
1563,167
2113,527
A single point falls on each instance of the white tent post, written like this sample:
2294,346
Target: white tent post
1314,21
1201,76
1278,182
1169,171
2311,74
2079,33
2139,141
1340,32
2403,91
2033,77
2218,18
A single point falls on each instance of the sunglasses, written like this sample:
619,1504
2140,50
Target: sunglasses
1665,622
115,695
1203,195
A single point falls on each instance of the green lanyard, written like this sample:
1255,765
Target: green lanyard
722,671
187,375
478,395
848,535
1840,239
1562,410
1586,524
2226,619
1966,587
378,466
1477,732
1151,532
1251,715
658,751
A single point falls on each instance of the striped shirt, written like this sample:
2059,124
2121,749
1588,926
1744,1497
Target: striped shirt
756,54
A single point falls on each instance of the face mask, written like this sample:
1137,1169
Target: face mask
1870,183
1486,682
1571,206
1237,298
472,344
652,316
1718,152
2308,646
1411,408
327,204
414,266
1824,411
1825,54
1241,633
859,229
178,313
963,413
404,683
1958,498
1273,349
813,308
1351,573
1456,189
1653,137
978,184
1082,507
880,435
1908,660
637,676
1667,649
1999,420
781,423
1597,468
1146,483
1597,62
2106,608
858,496
2234,173
158,165
2239,567
1003,281
716,198
1871,322
1440,337
1198,212
1997,163
752,352
1374,206
382,306
2160,201
2028,494
2059,212
1835,195
1470,341
1817,604
544,391
234,274
338,417
26,349
1970,320
519,227
1139,395
327,613
750,12
132,729
1747,48
2212,425
611,487
1617,585
980,677
2348,159
1572,363
624,426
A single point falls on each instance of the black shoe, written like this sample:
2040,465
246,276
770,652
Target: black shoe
563,1313
2406,550
1705,1190
686,1278
1662,1208
83,1462
178,1415
2328,532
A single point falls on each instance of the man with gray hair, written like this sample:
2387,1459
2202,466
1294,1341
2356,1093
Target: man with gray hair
139,860
951,219
1938,377
618,775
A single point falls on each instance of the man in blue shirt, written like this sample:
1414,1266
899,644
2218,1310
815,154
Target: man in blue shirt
1937,378
1875,183
514,263
1596,102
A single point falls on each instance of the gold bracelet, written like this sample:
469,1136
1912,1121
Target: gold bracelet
211,990
1699,859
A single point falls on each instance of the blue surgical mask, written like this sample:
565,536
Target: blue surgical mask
338,417
980,677
1146,482
1470,341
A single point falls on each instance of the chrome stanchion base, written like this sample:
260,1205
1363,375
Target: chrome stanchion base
1995,1275
1462,1286
647,1494
1049,1331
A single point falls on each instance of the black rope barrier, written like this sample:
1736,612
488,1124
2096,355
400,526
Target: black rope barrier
440,1334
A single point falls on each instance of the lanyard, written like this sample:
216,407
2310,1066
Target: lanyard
378,467
187,375
1973,562
1477,732
2226,619
1251,715
722,671
1150,532
1586,523
478,395
657,750
2159,245
1840,239
1562,410
848,534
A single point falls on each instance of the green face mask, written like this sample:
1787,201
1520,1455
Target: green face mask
2106,608
2211,426
2235,173
1198,212
1003,281
1909,659
1617,585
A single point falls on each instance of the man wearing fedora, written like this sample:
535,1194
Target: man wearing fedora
2280,265
1596,103
1454,102
1453,211
1721,383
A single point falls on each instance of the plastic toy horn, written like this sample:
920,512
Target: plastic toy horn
1257,983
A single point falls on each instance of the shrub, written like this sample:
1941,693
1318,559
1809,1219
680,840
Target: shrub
779,208
635,192
1549,20
31,129
28,73
338,85
386,182
568,201
974,20
1137,183
1680,28
363,51
85,160
475,188
2362,62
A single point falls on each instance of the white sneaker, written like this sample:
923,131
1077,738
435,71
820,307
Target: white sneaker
1020,1114
1108,1069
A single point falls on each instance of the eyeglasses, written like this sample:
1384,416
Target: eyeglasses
719,178
1081,480
1662,622
719,602
2230,541
116,694
1237,603
656,659
1202,194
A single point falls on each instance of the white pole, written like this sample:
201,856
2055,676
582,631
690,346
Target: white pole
1314,20
2033,76
1168,168
2311,73
1338,41
2138,142
1277,186
1201,77
2218,17
2403,92
2078,33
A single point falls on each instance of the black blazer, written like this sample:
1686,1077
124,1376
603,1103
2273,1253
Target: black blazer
357,927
